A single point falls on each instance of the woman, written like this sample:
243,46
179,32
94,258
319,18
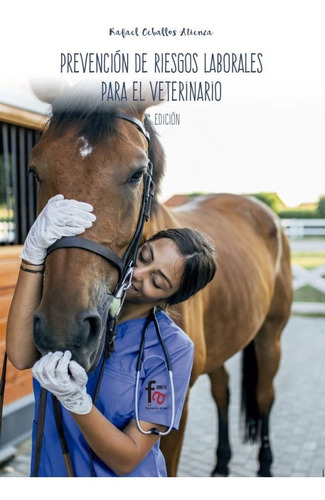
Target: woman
172,266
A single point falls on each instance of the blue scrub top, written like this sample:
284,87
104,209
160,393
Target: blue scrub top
116,398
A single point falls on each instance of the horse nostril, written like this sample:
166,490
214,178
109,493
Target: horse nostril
90,326
39,332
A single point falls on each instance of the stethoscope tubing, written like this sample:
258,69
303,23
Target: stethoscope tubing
137,382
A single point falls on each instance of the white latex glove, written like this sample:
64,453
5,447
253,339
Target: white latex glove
65,379
60,217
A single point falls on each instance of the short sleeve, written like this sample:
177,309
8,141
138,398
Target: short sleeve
155,393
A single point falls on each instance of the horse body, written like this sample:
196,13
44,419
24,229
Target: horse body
245,307
249,250
249,302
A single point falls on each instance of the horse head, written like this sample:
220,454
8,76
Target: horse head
89,154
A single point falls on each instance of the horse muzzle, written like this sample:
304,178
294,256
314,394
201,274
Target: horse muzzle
83,335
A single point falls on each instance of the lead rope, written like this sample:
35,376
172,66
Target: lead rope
63,442
2,388
39,431
109,347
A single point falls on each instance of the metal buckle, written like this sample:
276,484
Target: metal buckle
119,296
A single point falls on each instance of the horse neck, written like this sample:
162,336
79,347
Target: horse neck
161,218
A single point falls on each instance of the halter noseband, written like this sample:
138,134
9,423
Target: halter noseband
124,265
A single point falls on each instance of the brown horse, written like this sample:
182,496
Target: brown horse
87,154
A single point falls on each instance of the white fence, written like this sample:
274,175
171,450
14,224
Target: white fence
313,278
298,228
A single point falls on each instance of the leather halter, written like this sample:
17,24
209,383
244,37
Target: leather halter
124,265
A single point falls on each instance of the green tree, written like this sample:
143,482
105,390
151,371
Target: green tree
321,207
270,199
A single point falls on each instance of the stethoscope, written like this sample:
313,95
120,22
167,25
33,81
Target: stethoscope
154,430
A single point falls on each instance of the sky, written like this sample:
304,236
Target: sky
266,133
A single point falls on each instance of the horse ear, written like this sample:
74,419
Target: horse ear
145,95
48,90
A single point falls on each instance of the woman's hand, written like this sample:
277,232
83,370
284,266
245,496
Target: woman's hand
65,379
59,218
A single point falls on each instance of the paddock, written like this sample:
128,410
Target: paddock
297,418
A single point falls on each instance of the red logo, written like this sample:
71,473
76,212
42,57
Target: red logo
159,397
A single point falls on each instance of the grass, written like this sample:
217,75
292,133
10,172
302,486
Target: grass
308,260
308,294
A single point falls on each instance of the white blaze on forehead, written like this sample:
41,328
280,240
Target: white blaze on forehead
86,149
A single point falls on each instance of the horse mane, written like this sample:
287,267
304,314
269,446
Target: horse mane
82,106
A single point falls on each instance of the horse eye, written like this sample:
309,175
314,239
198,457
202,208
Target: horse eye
137,176
32,171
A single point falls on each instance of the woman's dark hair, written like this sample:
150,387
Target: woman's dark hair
200,260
